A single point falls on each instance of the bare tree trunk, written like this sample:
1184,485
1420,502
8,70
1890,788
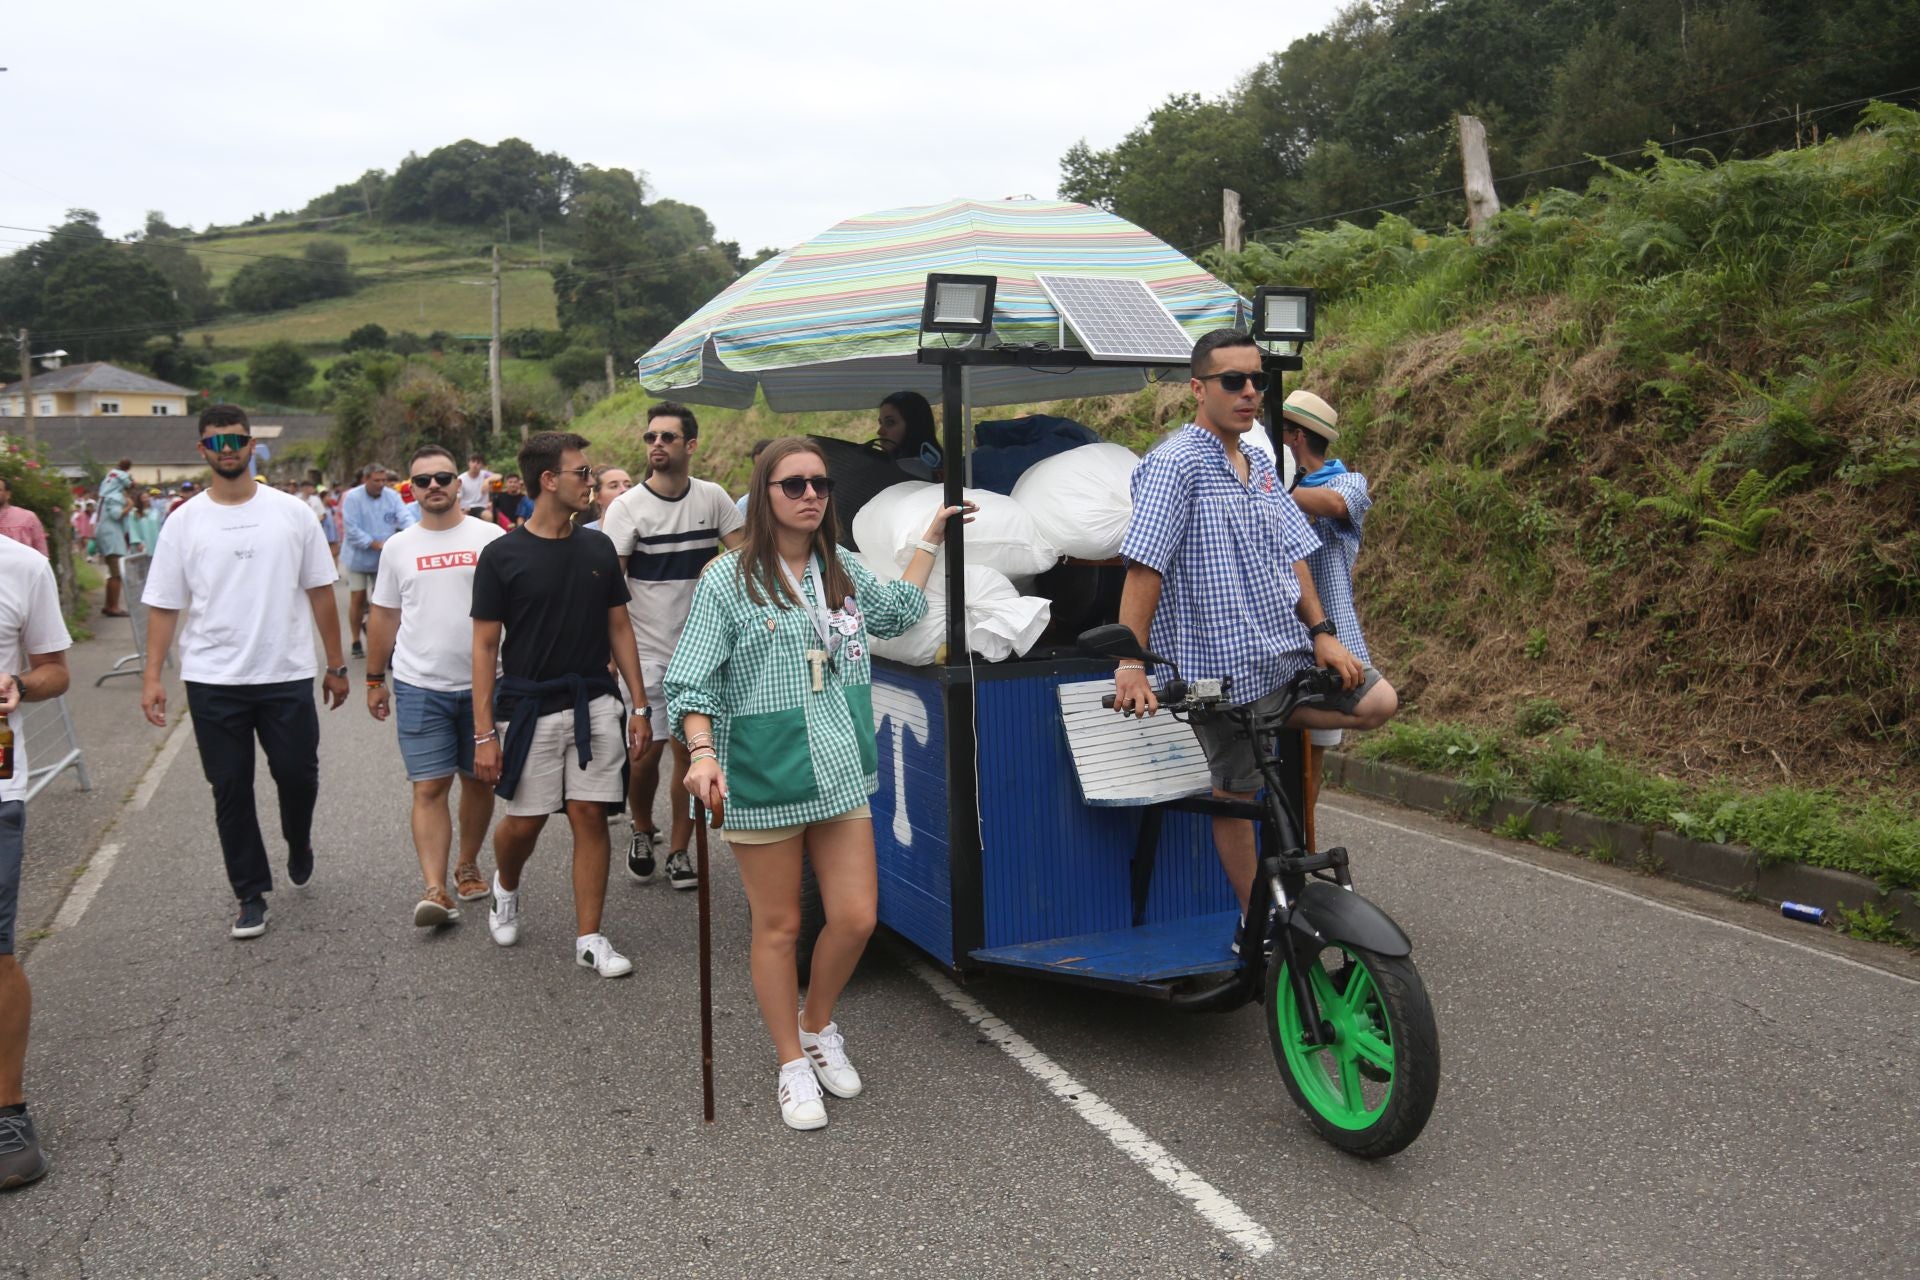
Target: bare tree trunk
1230,221
1482,200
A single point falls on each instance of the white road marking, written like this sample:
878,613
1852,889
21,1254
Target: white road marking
1618,893
89,884
1205,1199
157,771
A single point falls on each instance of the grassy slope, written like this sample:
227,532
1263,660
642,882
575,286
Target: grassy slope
411,278
1513,402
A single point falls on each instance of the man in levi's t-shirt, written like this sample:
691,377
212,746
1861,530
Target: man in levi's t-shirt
249,568
420,634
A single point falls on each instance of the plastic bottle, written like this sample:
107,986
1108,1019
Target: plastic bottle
6,748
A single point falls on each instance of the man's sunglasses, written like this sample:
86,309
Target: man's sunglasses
444,479
796,486
659,437
583,474
225,442
1233,383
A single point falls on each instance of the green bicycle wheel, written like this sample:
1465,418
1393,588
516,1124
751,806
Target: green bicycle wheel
1372,1090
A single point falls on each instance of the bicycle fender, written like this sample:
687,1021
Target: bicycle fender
1338,915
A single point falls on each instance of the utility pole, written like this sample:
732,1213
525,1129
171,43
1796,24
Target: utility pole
1230,220
542,231
1482,200
493,348
26,389
611,388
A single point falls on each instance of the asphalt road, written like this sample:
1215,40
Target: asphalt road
1639,1080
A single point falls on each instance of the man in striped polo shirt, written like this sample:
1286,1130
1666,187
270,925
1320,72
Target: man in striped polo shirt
665,530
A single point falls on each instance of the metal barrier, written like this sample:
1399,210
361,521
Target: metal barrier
52,745
133,575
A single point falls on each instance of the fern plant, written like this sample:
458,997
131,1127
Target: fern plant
1739,518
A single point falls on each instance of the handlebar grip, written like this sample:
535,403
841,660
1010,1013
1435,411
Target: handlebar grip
1106,700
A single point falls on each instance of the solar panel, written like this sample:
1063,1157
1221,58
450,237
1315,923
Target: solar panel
1118,318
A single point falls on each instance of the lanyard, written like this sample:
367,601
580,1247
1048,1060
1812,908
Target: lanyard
817,610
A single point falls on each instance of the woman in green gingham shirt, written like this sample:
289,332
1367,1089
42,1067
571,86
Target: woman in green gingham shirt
771,689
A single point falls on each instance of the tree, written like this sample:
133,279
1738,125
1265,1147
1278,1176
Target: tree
278,371
476,185
368,337
90,294
274,284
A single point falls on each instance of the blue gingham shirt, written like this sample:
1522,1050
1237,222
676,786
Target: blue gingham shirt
1225,553
1332,564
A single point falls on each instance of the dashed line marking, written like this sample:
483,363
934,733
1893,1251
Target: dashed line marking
88,885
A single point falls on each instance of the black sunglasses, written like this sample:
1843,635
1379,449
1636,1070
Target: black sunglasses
583,474
225,442
796,486
1234,382
444,479
659,437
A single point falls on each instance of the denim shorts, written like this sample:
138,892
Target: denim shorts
13,847
436,731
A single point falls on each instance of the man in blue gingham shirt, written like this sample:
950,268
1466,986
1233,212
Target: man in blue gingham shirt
1217,573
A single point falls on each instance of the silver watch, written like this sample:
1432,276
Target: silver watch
645,713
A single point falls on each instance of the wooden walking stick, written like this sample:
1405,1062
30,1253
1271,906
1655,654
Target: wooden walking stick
706,953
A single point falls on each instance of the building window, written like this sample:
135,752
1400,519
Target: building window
162,410
43,404
109,406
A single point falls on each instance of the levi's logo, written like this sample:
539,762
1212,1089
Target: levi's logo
448,560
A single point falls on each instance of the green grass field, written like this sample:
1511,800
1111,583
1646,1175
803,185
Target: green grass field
422,305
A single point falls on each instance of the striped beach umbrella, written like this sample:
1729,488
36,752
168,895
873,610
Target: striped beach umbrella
835,322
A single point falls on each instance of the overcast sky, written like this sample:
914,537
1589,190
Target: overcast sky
777,119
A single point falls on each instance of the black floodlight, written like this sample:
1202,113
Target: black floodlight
958,304
1282,313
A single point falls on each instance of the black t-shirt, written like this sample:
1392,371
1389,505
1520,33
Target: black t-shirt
553,595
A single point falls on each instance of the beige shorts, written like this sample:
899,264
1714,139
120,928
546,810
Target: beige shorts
358,581
774,835
553,775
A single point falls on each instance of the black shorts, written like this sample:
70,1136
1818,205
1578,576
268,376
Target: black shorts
1230,758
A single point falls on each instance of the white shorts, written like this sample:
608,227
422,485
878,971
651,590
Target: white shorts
653,679
552,775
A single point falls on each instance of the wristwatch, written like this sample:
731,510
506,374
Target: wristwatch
645,713
1324,627
337,672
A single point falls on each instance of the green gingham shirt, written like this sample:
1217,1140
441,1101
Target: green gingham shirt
738,659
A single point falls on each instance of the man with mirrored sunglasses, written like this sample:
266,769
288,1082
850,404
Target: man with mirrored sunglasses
1217,581
248,566
665,530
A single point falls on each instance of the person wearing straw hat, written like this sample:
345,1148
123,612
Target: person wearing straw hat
1334,500
1211,525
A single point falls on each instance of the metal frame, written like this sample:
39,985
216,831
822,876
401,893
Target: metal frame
957,677
133,576
39,774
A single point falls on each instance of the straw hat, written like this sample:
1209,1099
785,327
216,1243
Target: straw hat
1310,413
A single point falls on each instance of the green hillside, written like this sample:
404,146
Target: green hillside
1648,460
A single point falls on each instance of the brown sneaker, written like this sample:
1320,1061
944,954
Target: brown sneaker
436,908
468,883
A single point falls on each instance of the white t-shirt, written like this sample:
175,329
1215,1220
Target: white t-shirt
475,491
428,576
667,542
30,622
242,573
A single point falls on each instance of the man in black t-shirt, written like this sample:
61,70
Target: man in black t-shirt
553,737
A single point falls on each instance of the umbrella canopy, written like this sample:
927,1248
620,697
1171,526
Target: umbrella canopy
835,322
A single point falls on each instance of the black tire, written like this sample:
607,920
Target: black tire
813,918
1360,1104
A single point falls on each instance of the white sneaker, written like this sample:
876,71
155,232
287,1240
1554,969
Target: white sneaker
503,915
826,1052
800,1104
596,953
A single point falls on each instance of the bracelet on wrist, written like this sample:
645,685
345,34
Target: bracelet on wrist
376,677
482,739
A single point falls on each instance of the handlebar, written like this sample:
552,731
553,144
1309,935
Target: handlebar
1209,697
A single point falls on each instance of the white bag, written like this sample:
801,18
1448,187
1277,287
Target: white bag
1002,535
1080,500
1000,621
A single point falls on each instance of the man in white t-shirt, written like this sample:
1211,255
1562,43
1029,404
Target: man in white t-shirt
33,668
423,597
476,487
249,565
665,530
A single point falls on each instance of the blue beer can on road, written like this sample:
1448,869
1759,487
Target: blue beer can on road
1804,913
